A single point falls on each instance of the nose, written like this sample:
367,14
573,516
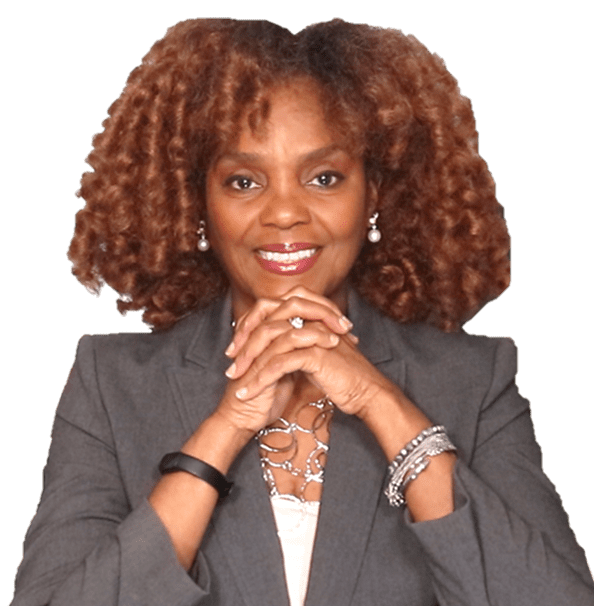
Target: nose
285,208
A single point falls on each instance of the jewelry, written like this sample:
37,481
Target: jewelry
179,461
285,434
296,322
374,234
203,243
413,459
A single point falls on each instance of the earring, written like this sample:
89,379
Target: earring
203,243
374,234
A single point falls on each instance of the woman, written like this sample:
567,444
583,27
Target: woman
279,184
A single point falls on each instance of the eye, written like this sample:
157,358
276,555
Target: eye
241,183
327,179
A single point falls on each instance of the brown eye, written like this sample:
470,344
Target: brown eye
241,183
327,179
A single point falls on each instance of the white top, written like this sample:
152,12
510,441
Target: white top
296,523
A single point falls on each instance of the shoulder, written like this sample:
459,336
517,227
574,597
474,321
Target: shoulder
423,346
133,351
427,359
126,373
466,370
427,346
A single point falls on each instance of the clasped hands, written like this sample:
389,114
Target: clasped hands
269,355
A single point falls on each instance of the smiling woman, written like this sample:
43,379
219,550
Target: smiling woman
307,422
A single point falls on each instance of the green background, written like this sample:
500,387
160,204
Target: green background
523,66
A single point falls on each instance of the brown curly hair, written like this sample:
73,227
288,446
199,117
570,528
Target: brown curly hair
445,250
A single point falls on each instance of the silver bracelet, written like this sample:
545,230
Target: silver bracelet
413,459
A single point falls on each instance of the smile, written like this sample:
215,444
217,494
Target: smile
285,258
288,263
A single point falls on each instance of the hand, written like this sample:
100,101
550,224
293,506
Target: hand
255,331
267,348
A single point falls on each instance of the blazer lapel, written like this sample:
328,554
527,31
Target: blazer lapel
243,525
352,486
199,382
353,479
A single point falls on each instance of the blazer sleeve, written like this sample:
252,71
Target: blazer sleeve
508,540
85,545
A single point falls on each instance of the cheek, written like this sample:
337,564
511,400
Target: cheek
352,225
224,231
222,225
348,230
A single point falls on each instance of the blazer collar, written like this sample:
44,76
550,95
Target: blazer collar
243,525
212,336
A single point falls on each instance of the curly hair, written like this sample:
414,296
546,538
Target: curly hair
445,250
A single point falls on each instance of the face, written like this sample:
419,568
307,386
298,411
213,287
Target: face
288,206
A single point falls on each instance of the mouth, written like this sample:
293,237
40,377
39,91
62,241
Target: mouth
282,257
288,263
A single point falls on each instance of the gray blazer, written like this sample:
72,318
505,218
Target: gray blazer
95,541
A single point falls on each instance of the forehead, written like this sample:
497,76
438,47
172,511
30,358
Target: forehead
301,109
302,99
292,111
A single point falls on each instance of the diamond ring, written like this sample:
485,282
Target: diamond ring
296,322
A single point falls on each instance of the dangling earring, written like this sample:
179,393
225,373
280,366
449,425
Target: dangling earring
374,234
203,243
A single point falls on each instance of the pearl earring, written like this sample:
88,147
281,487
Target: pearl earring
203,243
374,234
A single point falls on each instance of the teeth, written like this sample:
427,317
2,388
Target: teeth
287,257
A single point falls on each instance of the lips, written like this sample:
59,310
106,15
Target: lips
287,247
288,259
283,257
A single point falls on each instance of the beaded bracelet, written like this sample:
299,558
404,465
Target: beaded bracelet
413,459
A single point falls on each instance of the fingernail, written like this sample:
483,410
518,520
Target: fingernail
230,372
230,349
345,323
334,339
241,393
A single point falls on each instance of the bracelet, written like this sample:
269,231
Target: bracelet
178,461
413,459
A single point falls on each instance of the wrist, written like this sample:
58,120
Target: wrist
217,442
393,419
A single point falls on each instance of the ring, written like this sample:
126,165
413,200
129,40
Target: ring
296,322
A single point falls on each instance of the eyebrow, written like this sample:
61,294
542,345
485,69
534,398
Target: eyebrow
313,156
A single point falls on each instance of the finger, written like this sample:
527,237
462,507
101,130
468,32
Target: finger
299,301
246,323
352,338
265,373
278,320
320,310
286,309
305,293
257,341
263,346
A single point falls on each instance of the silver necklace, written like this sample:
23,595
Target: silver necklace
281,439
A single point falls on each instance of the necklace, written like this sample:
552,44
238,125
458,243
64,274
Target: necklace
278,445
